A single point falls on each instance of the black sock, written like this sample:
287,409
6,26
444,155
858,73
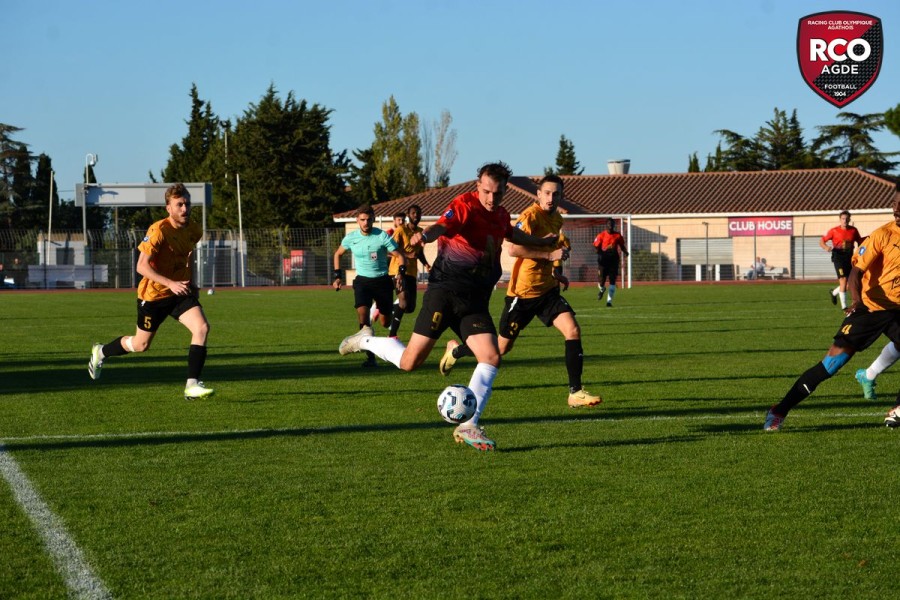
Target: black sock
396,317
196,360
114,348
805,385
461,351
574,364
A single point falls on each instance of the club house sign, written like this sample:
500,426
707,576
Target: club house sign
757,226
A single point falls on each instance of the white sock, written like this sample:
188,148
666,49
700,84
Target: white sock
190,382
836,291
888,356
385,348
611,293
482,383
843,298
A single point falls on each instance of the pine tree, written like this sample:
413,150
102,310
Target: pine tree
693,163
850,144
566,162
289,175
892,119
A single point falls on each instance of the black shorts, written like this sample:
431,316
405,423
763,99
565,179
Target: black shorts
860,330
518,312
374,289
411,287
465,314
842,263
608,268
151,314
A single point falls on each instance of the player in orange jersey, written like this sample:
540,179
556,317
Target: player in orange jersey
875,311
166,290
844,239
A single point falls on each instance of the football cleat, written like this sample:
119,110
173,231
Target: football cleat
197,391
351,342
773,420
448,360
893,417
95,364
473,436
868,385
833,297
600,293
582,398
609,305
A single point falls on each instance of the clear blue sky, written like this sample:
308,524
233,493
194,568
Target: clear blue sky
649,81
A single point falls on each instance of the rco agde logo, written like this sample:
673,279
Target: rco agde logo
840,54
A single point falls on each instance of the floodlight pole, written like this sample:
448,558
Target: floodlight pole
89,161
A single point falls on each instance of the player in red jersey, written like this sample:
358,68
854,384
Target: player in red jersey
470,237
608,243
844,239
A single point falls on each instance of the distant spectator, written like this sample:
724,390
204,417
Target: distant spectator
19,273
758,270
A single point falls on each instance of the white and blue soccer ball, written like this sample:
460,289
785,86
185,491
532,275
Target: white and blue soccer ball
457,404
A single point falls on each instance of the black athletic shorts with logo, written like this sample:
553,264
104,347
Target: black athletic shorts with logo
863,327
519,312
152,314
842,262
374,289
465,313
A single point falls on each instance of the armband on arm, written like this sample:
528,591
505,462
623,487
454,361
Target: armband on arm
338,274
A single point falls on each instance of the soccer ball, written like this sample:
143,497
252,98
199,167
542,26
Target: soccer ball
456,403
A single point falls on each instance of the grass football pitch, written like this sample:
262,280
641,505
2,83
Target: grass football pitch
308,476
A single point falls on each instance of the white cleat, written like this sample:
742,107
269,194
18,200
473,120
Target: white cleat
197,391
95,364
351,343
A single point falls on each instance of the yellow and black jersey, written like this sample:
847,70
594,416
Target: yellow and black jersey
170,252
879,259
401,237
532,278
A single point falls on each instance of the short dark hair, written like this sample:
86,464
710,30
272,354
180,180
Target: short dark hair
551,179
498,171
177,190
414,207
845,212
365,209
400,215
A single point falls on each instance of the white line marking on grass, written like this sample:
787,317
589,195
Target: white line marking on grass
350,427
70,562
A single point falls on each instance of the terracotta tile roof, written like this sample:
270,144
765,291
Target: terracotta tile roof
769,192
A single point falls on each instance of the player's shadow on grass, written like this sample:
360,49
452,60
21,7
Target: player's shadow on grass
159,439
677,439
789,427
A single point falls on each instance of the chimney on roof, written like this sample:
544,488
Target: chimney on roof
618,167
